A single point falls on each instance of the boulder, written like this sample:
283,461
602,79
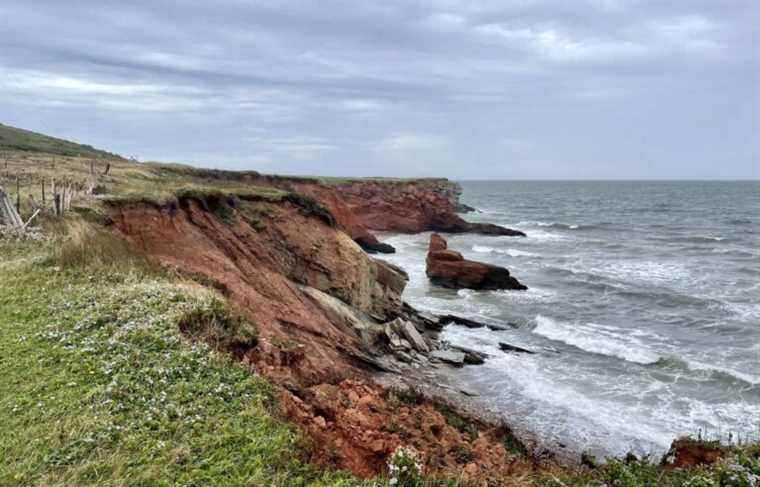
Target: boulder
394,340
458,320
463,208
514,348
495,327
407,330
471,357
448,268
371,245
453,357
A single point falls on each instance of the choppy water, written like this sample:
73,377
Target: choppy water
644,306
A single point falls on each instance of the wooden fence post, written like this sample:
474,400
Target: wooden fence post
8,213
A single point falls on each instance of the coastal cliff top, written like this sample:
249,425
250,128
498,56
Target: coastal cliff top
29,159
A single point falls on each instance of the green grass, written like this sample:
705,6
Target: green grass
12,138
98,386
739,468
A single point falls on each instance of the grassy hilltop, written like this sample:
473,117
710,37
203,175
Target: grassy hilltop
16,139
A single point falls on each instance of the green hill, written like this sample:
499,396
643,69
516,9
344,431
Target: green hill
12,138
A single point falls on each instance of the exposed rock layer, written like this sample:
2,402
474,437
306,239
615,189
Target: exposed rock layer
363,206
448,268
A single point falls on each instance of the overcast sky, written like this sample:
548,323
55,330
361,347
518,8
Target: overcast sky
463,89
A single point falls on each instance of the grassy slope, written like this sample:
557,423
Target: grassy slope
12,138
98,386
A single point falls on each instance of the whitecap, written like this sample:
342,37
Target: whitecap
595,338
542,236
748,378
511,252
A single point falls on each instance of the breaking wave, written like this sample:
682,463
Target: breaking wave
558,225
714,371
510,252
594,338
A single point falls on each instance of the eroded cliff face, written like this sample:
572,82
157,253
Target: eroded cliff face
363,206
312,292
261,255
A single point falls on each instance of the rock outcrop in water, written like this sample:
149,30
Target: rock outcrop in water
448,268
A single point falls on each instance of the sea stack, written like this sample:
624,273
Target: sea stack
448,268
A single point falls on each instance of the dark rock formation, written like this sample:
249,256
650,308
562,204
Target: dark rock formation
514,348
372,245
451,357
460,226
448,268
471,356
458,320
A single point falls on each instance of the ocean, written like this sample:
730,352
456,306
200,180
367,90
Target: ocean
643,308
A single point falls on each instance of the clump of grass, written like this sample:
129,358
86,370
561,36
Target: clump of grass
462,424
463,454
410,395
511,442
86,245
216,324
94,215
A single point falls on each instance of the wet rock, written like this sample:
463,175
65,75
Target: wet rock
471,357
589,460
452,357
458,320
495,327
462,208
430,322
448,268
371,245
407,330
513,348
403,357
394,340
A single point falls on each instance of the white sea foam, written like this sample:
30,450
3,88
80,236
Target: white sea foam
543,236
590,420
595,338
511,252
745,311
748,378
643,271
535,223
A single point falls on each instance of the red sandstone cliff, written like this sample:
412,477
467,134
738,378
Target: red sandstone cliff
361,206
315,298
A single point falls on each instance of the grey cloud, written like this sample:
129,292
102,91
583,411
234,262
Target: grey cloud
467,89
